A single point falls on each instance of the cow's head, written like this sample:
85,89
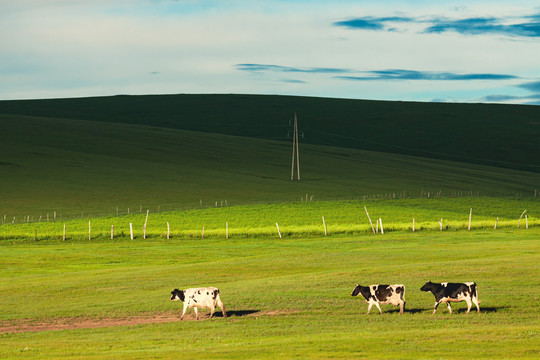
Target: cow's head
177,295
356,290
427,286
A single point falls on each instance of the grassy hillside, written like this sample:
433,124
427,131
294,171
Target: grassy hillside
500,135
88,168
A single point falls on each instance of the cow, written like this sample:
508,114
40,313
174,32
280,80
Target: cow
205,297
382,294
453,292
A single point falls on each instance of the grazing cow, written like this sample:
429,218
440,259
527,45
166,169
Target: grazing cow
199,298
453,292
382,294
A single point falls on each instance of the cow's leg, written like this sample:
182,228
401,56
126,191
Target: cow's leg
469,304
401,307
222,307
449,307
184,311
196,313
212,309
369,307
378,307
435,307
475,301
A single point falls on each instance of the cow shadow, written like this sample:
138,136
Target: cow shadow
236,313
240,313
406,310
488,310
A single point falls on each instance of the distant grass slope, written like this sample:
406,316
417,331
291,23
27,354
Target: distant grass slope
500,135
88,168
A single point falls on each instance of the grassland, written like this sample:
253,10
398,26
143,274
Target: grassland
87,168
295,219
287,298
207,161
488,134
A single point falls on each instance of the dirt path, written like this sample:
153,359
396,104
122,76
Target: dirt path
25,325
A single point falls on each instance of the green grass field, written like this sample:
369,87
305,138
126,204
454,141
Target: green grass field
287,298
222,163
295,219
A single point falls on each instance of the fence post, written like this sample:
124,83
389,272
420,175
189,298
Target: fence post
324,224
370,222
112,232
145,221
131,230
496,221
279,232
168,231
64,233
89,231
413,224
521,217
382,230
227,230
470,217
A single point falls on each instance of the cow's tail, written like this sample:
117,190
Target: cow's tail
219,302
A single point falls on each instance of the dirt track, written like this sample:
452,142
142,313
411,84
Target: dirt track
18,326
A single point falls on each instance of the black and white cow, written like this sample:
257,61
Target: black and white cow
207,297
453,292
382,294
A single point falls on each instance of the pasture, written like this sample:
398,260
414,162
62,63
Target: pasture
80,168
295,219
225,168
286,297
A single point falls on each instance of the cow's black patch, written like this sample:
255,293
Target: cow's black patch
356,290
363,290
383,292
179,293
216,292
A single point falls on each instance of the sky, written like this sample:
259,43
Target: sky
425,50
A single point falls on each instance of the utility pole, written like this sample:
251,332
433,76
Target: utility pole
295,149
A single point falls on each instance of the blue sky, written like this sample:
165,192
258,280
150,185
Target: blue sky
445,51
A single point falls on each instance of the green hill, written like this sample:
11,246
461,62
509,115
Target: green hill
499,135
90,168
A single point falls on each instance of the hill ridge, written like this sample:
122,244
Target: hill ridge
492,134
